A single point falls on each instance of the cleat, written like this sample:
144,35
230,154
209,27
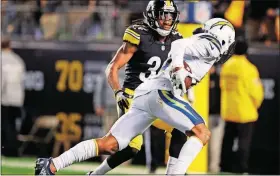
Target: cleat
43,166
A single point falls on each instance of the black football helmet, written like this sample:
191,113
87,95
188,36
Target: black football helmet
161,9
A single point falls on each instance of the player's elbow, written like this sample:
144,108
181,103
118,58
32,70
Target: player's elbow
107,70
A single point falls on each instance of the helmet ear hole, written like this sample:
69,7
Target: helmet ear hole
223,42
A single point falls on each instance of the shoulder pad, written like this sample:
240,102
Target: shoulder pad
132,35
176,34
139,27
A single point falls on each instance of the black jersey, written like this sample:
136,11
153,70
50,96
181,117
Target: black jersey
149,57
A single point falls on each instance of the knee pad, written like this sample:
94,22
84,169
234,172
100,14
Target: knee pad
177,141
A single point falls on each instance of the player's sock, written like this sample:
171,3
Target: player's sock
80,152
187,154
115,160
102,168
177,141
121,156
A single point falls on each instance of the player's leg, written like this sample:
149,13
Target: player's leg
120,157
124,155
148,148
80,152
181,115
168,130
152,147
178,139
131,124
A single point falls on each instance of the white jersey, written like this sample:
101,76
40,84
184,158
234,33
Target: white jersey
200,52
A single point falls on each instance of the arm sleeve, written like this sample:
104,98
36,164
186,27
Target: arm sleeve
198,52
132,35
255,87
205,47
177,52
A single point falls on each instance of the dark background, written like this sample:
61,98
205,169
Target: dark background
50,101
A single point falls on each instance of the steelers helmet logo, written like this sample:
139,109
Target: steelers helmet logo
168,3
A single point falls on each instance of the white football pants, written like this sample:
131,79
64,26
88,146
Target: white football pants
162,104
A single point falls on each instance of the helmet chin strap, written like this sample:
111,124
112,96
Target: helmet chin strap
163,32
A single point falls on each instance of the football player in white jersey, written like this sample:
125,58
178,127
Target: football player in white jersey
155,98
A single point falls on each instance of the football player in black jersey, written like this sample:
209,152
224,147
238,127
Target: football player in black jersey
145,48
146,44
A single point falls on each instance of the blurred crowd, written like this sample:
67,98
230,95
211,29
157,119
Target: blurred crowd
258,20
62,20
97,19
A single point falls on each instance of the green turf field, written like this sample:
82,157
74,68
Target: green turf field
25,166
7,170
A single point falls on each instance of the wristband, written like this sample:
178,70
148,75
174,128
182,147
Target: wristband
117,91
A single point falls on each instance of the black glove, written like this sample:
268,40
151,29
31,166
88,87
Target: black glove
121,98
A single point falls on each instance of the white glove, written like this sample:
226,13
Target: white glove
178,79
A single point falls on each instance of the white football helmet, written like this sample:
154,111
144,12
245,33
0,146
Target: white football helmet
224,31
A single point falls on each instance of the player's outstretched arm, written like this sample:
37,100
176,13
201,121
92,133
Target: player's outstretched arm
123,55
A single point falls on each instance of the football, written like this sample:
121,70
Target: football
188,80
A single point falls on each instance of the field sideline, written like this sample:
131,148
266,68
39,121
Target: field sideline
25,166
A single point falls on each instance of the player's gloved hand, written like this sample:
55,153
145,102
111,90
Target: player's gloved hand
178,77
121,98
